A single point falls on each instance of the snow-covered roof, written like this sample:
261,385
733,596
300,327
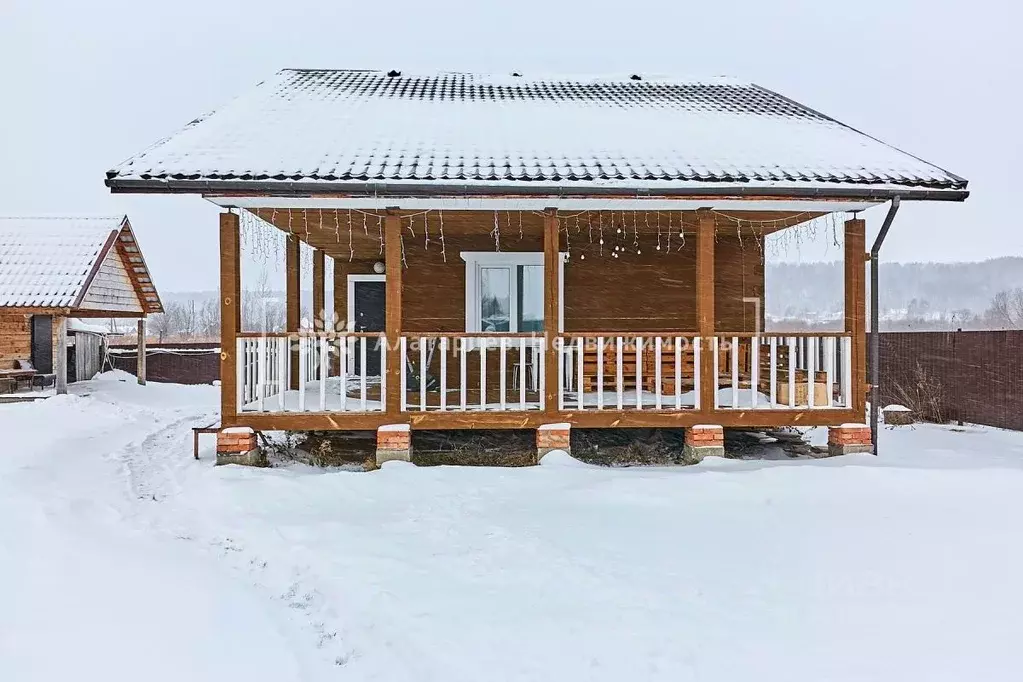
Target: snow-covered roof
48,262
338,127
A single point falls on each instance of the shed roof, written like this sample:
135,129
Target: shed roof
49,262
338,127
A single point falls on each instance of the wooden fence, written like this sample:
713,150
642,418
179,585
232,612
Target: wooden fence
189,362
973,377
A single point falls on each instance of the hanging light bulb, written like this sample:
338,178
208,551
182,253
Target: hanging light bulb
582,256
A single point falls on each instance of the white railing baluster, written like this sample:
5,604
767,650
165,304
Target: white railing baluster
303,350
793,357
560,347
403,345
462,387
774,370
239,370
443,373
261,385
502,364
678,372
639,372
541,377
483,373
657,372
283,351
829,367
697,349
382,344
754,370
342,372
735,371
579,343
847,377
324,358
811,371
522,372
422,374
600,372
619,371
363,374
717,371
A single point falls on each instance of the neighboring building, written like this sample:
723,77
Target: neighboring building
533,251
55,268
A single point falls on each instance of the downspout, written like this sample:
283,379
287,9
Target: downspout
875,314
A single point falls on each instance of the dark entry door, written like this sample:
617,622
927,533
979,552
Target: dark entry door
369,316
42,344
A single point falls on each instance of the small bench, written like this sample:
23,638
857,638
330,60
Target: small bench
196,430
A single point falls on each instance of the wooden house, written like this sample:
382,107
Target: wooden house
56,268
511,252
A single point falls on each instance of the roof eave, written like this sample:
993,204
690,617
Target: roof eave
435,189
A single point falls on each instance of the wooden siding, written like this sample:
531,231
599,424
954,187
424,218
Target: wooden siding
15,338
112,289
651,291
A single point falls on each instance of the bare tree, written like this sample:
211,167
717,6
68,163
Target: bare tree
1006,309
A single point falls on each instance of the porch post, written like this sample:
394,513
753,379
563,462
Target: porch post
140,347
855,308
319,291
340,294
550,308
230,314
293,297
392,262
705,306
60,362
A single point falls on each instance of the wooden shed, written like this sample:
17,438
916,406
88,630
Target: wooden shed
55,268
514,252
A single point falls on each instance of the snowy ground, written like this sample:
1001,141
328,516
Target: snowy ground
122,556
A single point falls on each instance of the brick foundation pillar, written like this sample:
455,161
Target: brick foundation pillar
848,439
703,440
394,442
553,437
237,445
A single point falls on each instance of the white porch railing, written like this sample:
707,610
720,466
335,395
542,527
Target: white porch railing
472,372
767,371
656,371
311,373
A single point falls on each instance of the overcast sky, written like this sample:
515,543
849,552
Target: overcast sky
87,84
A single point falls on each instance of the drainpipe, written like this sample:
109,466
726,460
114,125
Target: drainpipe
875,313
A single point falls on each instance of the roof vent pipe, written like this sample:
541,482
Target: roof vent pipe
393,74
875,314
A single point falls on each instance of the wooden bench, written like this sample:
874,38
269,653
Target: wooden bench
197,430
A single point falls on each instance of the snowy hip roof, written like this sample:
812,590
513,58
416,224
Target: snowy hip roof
339,130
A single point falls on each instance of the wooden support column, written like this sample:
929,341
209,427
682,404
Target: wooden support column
393,312
60,362
551,248
230,314
319,291
705,306
140,347
293,301
855,307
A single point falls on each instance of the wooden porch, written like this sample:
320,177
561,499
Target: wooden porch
689,368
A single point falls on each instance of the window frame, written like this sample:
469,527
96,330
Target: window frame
475,261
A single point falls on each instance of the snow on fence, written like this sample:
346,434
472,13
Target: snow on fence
187,362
